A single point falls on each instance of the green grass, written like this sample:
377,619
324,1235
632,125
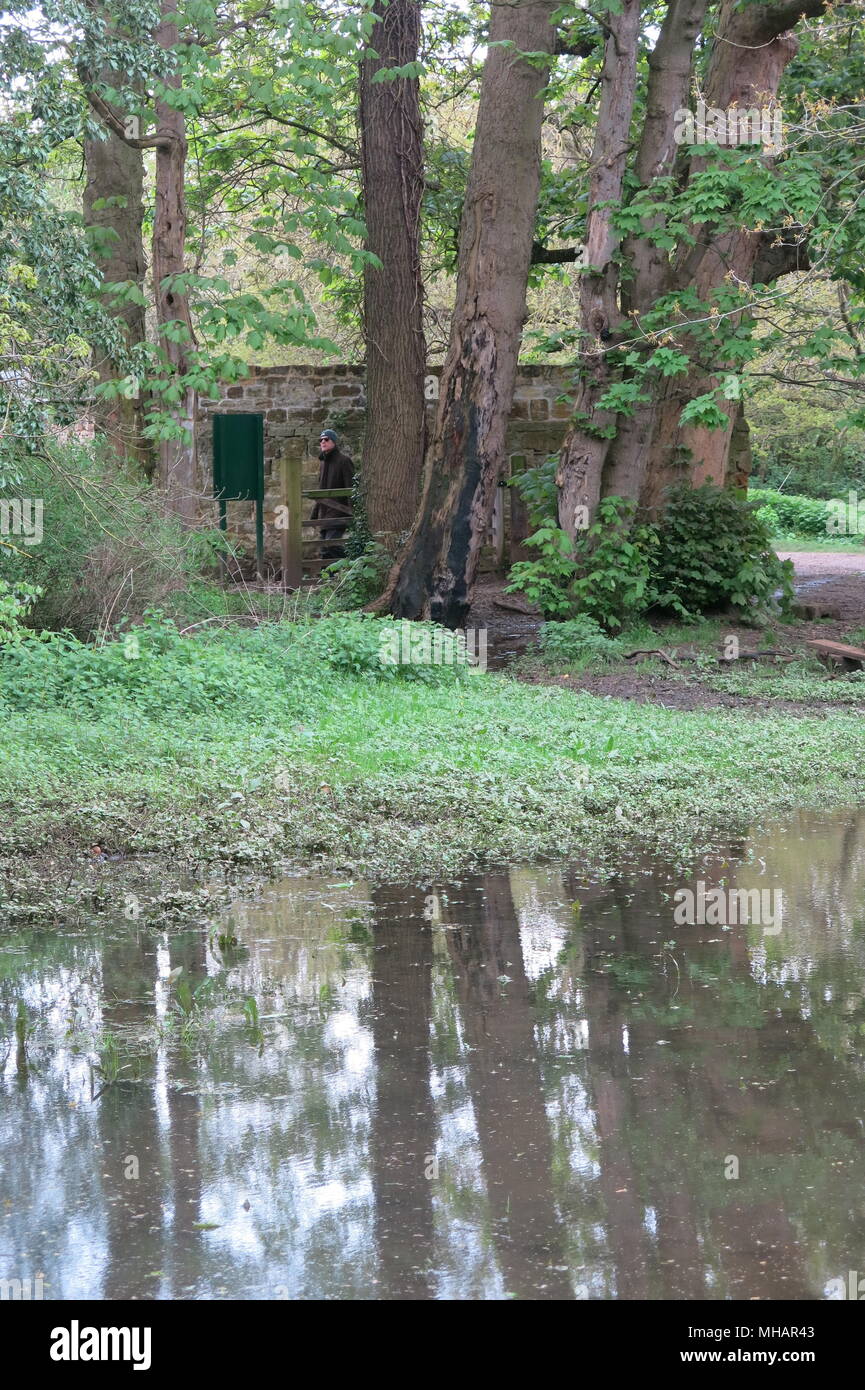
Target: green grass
846,545
289,759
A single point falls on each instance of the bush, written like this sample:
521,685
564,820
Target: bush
355,580
709,550
15,602
579,640
606,575
537,488
547,580
785,513
714,551
108,552
613,584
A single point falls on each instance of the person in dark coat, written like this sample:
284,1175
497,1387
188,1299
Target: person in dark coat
336,469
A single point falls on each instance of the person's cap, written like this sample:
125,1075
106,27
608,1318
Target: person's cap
328,434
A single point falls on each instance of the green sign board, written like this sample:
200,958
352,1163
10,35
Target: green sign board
238,469
238,457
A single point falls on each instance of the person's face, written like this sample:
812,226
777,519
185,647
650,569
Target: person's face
326,445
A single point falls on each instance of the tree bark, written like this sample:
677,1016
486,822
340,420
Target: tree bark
670,70
176,456
587,441
435,572
639,455
393,178
115,170
751,52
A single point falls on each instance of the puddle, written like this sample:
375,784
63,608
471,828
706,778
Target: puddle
462,1091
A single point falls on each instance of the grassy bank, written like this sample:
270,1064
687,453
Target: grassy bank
285,746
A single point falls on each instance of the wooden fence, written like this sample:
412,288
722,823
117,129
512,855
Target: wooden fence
301,553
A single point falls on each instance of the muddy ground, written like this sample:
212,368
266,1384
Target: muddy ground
830,583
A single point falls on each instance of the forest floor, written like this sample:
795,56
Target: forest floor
830,592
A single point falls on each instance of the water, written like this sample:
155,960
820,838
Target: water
468,1091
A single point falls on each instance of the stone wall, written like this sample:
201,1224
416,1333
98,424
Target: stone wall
298,402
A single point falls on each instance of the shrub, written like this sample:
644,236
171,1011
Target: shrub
547,580
785,513
109,553
15,602
606,575
614,565
537,488
579,640
355,580
709,550
714,551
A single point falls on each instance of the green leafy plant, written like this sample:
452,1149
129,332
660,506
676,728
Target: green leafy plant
109,1066
537,488
16,600
614,565
715,551
355,580
578,641
788,513
547,580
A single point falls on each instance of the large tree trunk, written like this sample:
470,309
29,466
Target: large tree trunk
392,156
586,444
435,573
176,456
115,171
670,69
639,455
748,60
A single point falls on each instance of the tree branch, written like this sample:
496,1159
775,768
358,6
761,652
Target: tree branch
776,258
109,116
542,255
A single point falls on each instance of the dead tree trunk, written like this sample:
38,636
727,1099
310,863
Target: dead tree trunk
436,570
391,131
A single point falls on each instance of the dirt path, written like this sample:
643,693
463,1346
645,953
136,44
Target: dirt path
833,578
832,582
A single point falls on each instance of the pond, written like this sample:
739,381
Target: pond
528,1084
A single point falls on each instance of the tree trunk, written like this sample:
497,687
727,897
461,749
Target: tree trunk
176,456
748,60
436,571
392,161
639,455
586,444
669,86
115,170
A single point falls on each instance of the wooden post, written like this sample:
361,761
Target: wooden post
498,530
292,500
